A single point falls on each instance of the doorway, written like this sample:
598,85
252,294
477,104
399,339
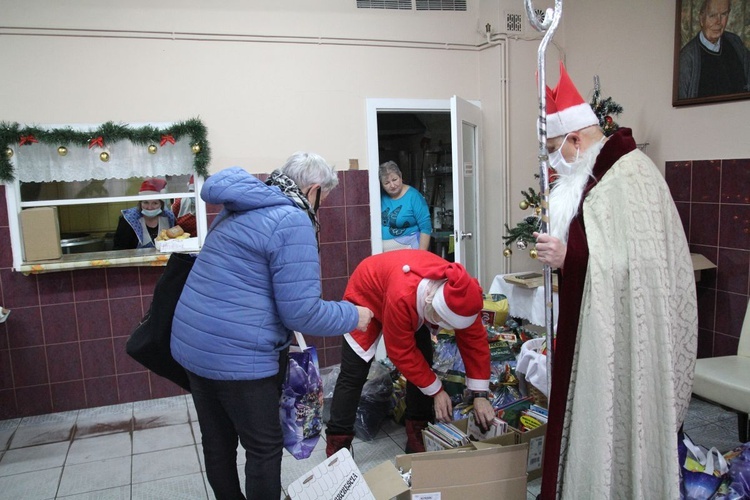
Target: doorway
419,142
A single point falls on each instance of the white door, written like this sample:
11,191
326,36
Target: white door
465,129
466,148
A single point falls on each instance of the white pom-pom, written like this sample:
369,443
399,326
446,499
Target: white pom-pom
406,268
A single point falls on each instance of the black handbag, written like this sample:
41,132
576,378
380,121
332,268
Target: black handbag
149,342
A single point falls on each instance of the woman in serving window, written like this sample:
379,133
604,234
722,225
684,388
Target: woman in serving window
139,226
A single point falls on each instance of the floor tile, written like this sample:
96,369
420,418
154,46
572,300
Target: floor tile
187,487
165,463
119,493
55,428
160,412
105,420
162,438
94,476
38,485
97,448
33,458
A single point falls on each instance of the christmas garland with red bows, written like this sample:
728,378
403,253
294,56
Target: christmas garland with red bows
12,135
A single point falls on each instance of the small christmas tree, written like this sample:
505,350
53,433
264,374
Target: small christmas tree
605,109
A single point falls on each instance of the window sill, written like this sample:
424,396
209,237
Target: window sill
92,260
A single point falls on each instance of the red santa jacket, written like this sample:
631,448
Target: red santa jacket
387,284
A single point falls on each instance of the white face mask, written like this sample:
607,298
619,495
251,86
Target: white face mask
151,213
559,163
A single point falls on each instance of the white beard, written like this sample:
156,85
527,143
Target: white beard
565,198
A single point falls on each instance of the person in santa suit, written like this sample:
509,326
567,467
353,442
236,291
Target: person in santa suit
406,289
626,335
184,210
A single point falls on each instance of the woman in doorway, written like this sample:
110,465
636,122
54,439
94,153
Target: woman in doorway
139,226
405,216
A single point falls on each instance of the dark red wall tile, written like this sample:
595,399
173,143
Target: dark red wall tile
123,362
707,276
678,176
333,260
332,224
123,282
706,307
33,400
735,226
133,387
705,343
89,284
735,180
163,388
98,358
101,391
683,209
64,361
3,207
333,288
730,311
733,270
148,277
55,288
125,314
358,223
357,252
357,187
703,227
24,327
6,252
336,197
93,320
725,345
706,181
8,407
59,323
6,370
19,290
68,396
29,366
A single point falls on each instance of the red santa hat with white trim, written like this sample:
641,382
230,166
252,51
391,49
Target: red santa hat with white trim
153,186
566,110
459,300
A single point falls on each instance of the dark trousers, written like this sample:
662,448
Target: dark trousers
352,378
246,411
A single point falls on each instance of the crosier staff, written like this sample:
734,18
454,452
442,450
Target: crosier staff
548,25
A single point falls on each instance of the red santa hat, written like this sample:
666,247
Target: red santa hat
191,183
566,110
459,300
153,186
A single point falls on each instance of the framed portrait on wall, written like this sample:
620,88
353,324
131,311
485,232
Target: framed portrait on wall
712,51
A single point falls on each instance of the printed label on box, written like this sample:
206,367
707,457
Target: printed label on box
536,448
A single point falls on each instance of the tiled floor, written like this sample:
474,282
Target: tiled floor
151,450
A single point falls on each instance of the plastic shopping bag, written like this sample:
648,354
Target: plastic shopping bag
702,472
301,405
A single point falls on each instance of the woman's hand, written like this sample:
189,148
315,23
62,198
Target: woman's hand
443,407
550,250
365,316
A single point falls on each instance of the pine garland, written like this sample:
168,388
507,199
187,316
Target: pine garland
14,134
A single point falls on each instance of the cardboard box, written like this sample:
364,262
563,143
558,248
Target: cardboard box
700,262
40,229
336,477
490,471
535,439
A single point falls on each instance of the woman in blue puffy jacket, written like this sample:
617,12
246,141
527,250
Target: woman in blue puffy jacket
256,279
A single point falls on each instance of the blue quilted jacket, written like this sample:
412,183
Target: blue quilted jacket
256,279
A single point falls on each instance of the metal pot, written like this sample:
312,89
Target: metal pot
81,243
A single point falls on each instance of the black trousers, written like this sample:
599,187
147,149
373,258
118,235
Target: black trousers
352,378
246,411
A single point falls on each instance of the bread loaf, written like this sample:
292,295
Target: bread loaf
174,232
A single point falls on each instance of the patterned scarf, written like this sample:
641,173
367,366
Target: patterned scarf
290,189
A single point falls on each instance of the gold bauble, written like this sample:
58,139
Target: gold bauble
8,152
538,210
62,150
152,149
507,252
533,253
104,156
524,205
196,148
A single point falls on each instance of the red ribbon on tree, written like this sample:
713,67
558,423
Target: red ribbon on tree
27,140
167,138
96,141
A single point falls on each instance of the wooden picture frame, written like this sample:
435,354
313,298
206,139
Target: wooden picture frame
693,84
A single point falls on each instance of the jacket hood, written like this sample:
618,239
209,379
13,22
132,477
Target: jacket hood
240,191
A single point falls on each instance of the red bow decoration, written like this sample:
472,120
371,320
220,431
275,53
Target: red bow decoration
27,140
97,141
166,139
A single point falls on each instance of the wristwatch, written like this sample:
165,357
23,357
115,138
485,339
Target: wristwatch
479,394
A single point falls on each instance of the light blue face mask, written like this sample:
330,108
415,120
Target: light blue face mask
559,163
151,213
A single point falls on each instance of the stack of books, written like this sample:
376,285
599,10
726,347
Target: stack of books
534,417
476,433
529,280
440,436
